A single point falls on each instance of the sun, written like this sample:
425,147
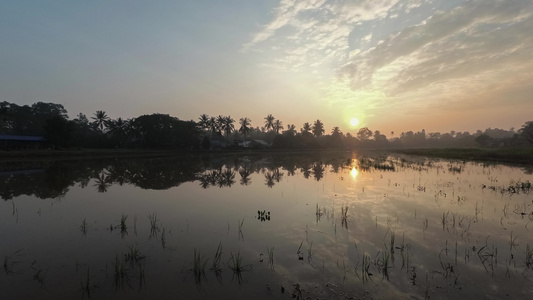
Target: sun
354,122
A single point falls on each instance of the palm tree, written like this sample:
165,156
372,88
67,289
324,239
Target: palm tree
278,125
291,129
318,128
307,128
204,122
244,129
213,125
336,131
100,120
269,122
220,124
227,125
119,129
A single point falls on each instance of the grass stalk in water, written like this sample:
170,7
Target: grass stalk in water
123,226
154,224
163,238
133,255
216,260
240,224
84,227
199,264
10,263
121,276
237,265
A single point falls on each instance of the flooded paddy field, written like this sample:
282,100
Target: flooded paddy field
336,225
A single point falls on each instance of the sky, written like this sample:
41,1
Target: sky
395,65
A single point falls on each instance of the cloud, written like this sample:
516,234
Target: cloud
411,57
481,40
317,30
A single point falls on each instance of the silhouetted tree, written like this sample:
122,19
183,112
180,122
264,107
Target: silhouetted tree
380,139
527,131
119,130
100,120
227,125
245,127
306,128
278,125
164,131
220,124
336,137
203,122
213,126
484,140
318,128
269,122
364,134
291,130
58,131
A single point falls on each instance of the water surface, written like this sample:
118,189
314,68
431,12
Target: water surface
314,225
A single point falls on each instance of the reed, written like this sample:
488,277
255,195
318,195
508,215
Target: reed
199,263
123,226
154,225
310,253
365,268
163,238
299,253
86,285
133,255
240,224
216,260
529,257
39,276
10,262
121,276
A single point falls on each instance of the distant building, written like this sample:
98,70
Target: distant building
10,142
254,144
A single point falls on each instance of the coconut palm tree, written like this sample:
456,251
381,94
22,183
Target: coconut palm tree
220,124
318,128
227,125
245,129
203,122
213,125
278,125
119,130
291,130
336,131
269,122
306,128
100,120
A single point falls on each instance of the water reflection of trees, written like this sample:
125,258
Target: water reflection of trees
56,179
102,182
221,178
245,176
273,176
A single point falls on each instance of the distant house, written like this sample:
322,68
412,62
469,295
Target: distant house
9,142
255,144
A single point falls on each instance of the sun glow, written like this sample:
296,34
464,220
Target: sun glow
354,172
354,121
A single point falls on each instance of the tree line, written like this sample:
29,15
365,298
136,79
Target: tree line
51,121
